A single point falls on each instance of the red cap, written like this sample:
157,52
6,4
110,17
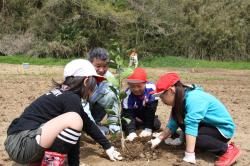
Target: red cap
139,75
165,82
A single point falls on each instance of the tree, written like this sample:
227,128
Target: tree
122,73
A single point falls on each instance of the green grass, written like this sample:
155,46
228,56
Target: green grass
19,59
171,61
166,61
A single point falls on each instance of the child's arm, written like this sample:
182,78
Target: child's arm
190,143
189,153
165,134
94,132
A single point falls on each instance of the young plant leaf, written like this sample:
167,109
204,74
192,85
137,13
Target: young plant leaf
122,95
126,120
113,81
112,64
114,90
108,122
112,122
110,111
118,60
113,136
126,72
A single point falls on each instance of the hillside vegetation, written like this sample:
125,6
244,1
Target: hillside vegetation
201,29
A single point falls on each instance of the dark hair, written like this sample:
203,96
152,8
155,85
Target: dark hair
76,84
98,53
178,110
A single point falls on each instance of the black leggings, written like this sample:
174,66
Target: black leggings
210,139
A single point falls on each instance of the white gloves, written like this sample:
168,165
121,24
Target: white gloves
155,142
146,132
155,134
189,157
131,136
114,128
171,141
113,154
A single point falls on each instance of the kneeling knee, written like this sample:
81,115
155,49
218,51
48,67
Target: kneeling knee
74,121
65,141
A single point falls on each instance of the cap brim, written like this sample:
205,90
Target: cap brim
156,94
134,81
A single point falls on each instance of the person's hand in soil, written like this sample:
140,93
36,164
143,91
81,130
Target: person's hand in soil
131,136
159,137
113,154
155,142
156,134
146,132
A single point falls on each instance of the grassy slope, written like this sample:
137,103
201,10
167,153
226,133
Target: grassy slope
167,61
19,59
171,61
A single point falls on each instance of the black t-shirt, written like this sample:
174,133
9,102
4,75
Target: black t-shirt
51,105
45,108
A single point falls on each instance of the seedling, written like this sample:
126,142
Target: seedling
117,88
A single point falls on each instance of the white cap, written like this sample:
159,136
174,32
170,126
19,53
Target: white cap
82,68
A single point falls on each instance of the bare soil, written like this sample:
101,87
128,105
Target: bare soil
19,87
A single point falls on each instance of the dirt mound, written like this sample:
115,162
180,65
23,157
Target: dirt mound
139,149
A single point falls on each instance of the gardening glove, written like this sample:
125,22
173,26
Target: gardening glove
189,157
170,141
146,132
154,142
155,134
113,154
114,128
131,136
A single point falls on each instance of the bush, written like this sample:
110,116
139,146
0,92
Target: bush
213,30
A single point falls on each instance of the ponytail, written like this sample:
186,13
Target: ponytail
178,110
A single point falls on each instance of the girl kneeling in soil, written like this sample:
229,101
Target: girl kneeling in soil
54,121
205,121
139,106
